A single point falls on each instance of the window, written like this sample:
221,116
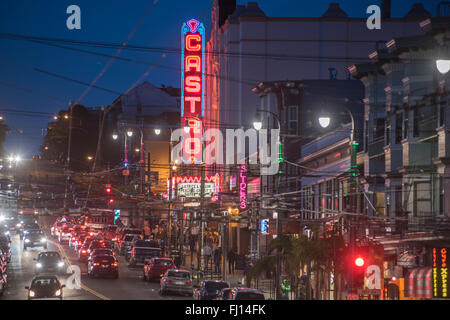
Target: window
441,115
379,128
405,127
388,132
416,123
398,127
293,120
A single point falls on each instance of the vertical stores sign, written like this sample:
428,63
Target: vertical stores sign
440,272
192,86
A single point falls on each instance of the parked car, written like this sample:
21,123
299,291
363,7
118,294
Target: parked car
209,289
246,294
103,265
155,268
34,238
47,286
176,281
49,262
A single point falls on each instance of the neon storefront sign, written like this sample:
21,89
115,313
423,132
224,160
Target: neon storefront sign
243,187
440,273
190,187
192,88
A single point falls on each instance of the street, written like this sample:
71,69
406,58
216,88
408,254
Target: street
129,286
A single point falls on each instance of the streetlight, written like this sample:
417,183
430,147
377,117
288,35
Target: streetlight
443,65
324,121
55,117
115,136
129,133
66,116
157,131
257,125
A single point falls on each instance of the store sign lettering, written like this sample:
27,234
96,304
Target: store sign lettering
440,273
243,187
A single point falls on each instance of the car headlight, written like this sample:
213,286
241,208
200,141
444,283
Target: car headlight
38,265
27,240
6,233
31,293
58,293
60,264
43,239
18,225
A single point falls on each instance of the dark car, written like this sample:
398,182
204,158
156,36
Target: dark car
155,268
83,251
209,289
45,287
34,238
103,265
246,294
101,252
27,227
49,262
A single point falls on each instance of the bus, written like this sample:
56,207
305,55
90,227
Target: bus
98,219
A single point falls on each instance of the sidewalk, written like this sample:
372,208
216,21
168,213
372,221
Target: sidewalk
232,278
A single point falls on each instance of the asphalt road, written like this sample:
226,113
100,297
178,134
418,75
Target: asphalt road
129,286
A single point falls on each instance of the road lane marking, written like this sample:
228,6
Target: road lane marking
83,286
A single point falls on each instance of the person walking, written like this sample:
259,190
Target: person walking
207,251
231,261
217,259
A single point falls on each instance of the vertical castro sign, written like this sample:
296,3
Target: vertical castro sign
192,86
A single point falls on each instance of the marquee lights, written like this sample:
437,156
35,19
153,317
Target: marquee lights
440,273
192,88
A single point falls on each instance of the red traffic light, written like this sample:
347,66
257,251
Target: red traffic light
108,190
111,201
359,262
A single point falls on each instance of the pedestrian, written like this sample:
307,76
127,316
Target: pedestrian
217,259
207,251
231,261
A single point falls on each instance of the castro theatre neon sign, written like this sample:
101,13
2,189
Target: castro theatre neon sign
192,86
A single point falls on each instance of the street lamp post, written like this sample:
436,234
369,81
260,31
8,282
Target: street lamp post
258,125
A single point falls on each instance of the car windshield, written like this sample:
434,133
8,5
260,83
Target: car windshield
128,238
163,262
36,233
179,274
49,255
147,252
45,282
97,252
213,286
104,258
146,243
249,296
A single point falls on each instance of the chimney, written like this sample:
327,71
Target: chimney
385,9
226,7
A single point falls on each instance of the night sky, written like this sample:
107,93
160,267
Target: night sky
108,21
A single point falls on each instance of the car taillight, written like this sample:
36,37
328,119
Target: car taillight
96,264
62,233
114,264
189,282
168,281
83,251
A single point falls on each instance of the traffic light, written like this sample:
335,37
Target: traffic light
108,188
359,262
111,201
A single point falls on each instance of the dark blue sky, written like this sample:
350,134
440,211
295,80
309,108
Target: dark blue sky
109,21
